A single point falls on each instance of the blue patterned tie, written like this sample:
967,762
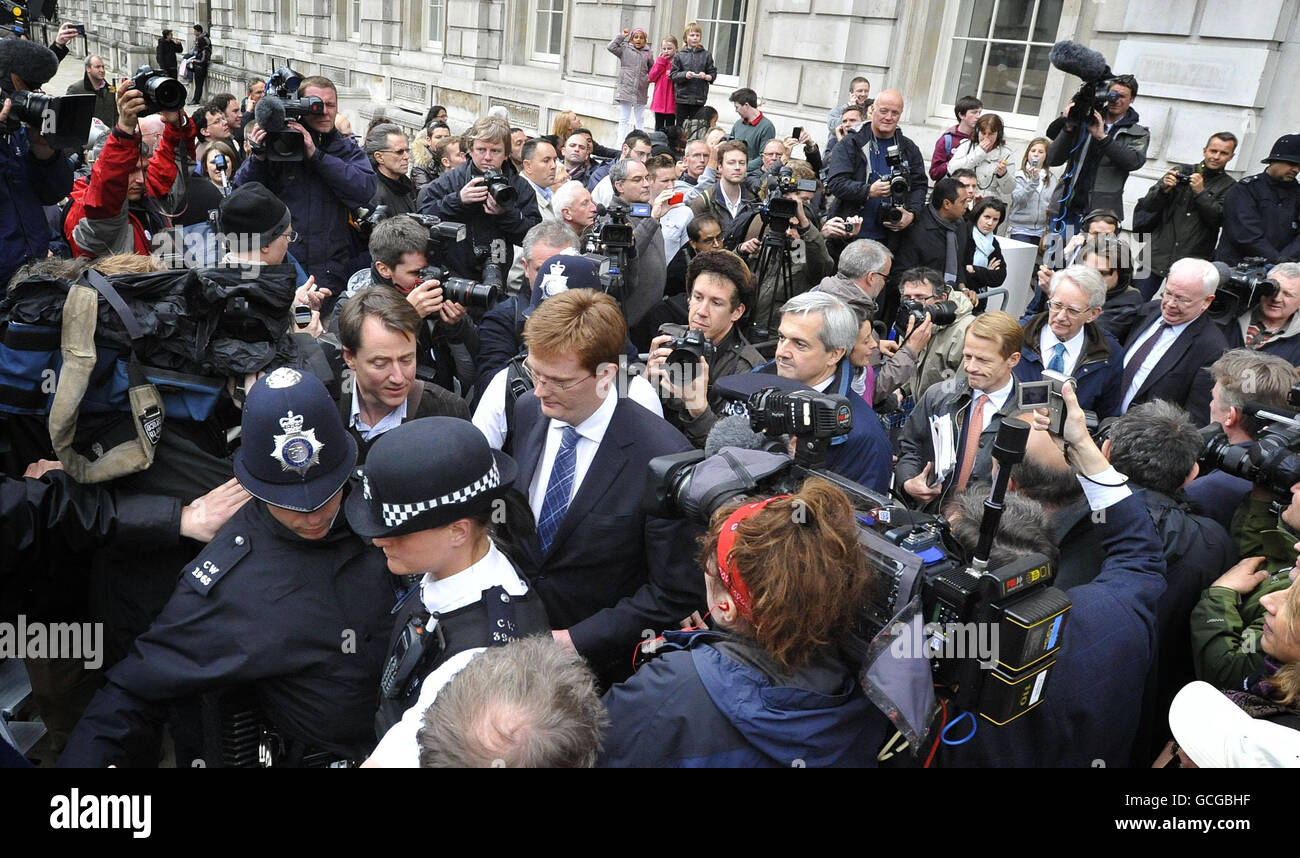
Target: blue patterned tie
556,501
1058,358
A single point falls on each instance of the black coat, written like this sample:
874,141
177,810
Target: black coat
501,232
1182,376
259,606
166,53
1261,217
397,194
1188,223
612,569
925,242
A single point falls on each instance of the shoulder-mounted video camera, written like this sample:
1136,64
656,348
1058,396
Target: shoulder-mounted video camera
1273,461
1242,287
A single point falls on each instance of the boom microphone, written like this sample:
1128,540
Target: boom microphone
269,113
734,431
1073,58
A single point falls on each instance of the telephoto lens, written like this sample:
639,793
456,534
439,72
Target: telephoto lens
465,291
499,188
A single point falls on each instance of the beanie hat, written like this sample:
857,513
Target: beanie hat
34,64
251,209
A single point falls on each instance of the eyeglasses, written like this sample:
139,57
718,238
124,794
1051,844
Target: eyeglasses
553,383
398,152
1058,307
712,239
292,235
1182,302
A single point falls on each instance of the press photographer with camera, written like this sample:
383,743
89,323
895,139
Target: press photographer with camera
684,366
927,299
332,178
497,209
1091,712
769,687
646,272
403,249
1272,326
940,237
1066,338
878,173
1261,213
38,174
1117,148
123,202
1244,381
1184,209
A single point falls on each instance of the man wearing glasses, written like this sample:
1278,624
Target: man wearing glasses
1067,339
1174,341
605,569
390,155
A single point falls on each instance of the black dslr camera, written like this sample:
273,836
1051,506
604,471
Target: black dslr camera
499,188
688,345
915,313
892,209
1273,462
461,290
1242,287
160,91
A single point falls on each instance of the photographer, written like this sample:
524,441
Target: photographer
469,194
647,272
1272,326
1261,213
37,175
1066,338
802,240
973,404
940,237
1241,377
1184,209
941,359
447,339
784,576
1118,147
321,190
120,206
718,284
1091,712
860,171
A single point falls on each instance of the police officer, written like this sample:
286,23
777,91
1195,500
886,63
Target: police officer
434,497
1261,213
285,598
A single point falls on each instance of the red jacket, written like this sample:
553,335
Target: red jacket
104,195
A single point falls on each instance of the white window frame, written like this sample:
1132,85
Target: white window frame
948,39
426,23
746,33
354,20
560,15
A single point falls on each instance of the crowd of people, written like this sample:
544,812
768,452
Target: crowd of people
393,509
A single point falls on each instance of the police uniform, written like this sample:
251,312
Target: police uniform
1261,215
424,475
303,621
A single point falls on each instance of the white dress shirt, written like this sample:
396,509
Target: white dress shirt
391,420
590,433
997,399
1167,338
398,749
490,416
1047,341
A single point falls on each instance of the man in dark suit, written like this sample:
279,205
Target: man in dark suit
1173,342
606,570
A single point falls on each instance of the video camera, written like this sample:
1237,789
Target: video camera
1273,461
1242,287
899,186
611,243
160,91
277,107
461,290
923,574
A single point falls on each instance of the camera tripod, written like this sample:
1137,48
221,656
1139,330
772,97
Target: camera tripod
774,254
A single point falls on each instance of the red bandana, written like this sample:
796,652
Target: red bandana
726,542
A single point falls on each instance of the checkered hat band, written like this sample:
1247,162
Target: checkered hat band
397,513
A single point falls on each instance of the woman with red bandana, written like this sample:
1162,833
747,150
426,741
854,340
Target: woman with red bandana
784,578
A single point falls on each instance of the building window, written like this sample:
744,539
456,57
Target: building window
354,18
548,30
723,22
435,19
999,54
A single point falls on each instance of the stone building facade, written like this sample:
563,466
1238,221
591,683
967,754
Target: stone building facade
1202,65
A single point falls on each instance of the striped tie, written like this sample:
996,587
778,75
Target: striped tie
558,490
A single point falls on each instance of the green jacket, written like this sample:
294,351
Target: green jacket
1226,626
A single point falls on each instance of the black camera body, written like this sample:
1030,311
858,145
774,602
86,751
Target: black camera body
64,121
160,91
922,574
1272,462
285,144
916,312
899,186
1181,178
499,188
1243,287
689,347
462,290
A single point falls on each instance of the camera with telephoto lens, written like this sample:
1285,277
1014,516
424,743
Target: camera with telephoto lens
1272,462
1241,288
689,346
928,588
461,290
914,313
160,91
499,188
892,210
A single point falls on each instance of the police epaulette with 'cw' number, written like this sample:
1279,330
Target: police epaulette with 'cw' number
216,560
